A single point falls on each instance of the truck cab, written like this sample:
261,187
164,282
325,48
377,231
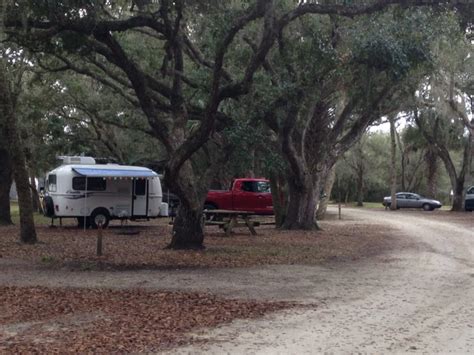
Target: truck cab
246,194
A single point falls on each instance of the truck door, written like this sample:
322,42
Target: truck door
140,198
245,198
264,197
252,196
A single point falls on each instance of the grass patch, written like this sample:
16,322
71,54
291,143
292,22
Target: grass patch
40,220
48,259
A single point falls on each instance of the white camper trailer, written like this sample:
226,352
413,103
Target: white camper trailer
97,193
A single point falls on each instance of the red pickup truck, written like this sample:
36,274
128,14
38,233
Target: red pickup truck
246,194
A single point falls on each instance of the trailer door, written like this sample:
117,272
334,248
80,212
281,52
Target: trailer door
140,198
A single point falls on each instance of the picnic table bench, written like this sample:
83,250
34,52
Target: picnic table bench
228,219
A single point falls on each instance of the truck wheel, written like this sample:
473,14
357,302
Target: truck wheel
98,216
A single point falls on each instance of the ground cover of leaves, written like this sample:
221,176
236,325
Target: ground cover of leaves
72,320
60,320
76,249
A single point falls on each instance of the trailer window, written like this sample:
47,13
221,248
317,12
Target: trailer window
93,183
140,187
51,183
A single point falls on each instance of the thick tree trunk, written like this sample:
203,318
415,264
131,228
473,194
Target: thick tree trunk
5,185
35,195
327,190
459,191
188,230
360,188
191,188
346,196
458,180
458,196
393,164
457,183
432,175
303,199
279,198
20,174
27,224
402,161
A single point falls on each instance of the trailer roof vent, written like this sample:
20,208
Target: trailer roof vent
67,160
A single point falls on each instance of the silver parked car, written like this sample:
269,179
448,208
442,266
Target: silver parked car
411,200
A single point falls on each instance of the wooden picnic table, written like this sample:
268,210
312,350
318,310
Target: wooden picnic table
228,219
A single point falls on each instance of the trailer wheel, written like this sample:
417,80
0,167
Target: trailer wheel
100,215
48,206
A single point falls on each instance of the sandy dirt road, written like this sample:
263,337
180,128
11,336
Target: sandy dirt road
416,299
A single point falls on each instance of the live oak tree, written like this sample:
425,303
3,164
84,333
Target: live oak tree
170,60
6,170
99,123
157,84
443,109
5,177
9,91
393,164
327,97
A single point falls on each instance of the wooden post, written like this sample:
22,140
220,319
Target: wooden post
249,224
99,239
340,197
230,225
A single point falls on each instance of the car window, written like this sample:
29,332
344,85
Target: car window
247,186
256,186
471,190
262,186
411,196
401,196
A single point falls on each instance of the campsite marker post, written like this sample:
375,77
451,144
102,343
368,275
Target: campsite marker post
99,237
